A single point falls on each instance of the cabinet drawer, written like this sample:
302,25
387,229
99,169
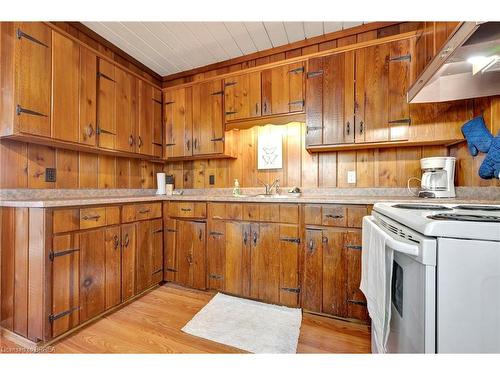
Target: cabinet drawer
269,213
289,213
355,216
187,209
335,216
251,212
65,220
141,211
225,211
92,217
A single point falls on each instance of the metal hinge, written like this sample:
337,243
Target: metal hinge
157,101
291,290
290,239
53,255
401,121
21,34
154,273
314,74
53,317
215,277
158,231
297,70
301,102
218,93
99,75
171,270
226,84
157,143
100,130
363,303
216,233
221,139
353,247
171,230
400,58
20,110
231,112
167,103
169,144
312,128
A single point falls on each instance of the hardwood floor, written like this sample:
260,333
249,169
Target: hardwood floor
153,323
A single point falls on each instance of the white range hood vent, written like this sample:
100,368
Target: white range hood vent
468,66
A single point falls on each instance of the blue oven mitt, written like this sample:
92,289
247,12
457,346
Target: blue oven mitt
477,135
490,167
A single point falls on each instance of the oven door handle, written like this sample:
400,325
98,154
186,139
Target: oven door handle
399,246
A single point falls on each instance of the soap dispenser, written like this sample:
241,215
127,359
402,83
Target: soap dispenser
236,188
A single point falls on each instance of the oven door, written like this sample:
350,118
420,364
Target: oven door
413,285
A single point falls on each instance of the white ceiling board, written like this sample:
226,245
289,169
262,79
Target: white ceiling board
259,35
241,36
277,33
173,47
294,31
313,29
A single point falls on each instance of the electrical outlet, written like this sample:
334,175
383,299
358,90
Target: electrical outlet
351,177
50,175
211,179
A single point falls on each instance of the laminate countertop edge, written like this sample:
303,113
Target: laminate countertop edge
342,199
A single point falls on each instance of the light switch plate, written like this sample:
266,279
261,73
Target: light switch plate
351,177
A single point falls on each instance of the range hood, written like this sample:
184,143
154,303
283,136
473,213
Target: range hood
468,66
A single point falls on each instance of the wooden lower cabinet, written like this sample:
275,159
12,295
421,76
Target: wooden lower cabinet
216,255
190,247
113,275
356,301
128,241
237,265
149,250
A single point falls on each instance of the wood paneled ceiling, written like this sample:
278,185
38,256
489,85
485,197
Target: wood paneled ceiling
172,47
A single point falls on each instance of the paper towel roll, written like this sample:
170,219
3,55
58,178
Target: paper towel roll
160,183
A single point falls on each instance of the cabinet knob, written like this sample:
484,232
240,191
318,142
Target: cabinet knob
90,131
196,143
254,238
348,128
245,238
361,127
200,235
116,242
131,140
139,143
311,245
188,144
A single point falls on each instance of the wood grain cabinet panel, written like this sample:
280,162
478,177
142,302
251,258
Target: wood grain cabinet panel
92,217
237,258
216,246
169,250
191,254
187,209
33,46
242,98
65,88
146,118
157,253
178,122
356,301
113,268
208,120
65,283
157,124
126,102
106,105
65,220
334,215
334,275
92,273
312,271
144,256
88,97
128,245
289,283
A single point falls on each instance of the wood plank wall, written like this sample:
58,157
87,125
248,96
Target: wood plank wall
386,167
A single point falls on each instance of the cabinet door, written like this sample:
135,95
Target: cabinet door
314,102
128,241
208,123
65,280
289,265
144,256
92,274
184,249
126,110
242,96
113,267
157,124
356,301
33,47
237,260
313,271
178,122
334,276
106,105
265,280
88,97
65,88
199,257
216,255
157,243
282,89
169,250
146,113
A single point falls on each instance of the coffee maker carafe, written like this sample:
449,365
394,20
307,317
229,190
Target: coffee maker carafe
437,177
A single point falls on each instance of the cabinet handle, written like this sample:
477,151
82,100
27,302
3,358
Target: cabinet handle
144,210
185,209
90,131
256,108
116,242
131,140
100,130
53,255
348,128
200,234
254,238
196,143
330,216
139,143
245,238
188,143
311,245
353,247
126,240
91,217
361,126
214,233
221,139
169,144
20,110
265,107
21,34
231,112
297,70
324,239
290,239
226,84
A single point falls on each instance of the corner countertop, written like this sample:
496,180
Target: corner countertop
62,198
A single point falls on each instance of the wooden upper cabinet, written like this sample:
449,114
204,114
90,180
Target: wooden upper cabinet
178,122
283,89
208,122
330,100
65,88
242,96
126,100
88,97
106,105
33,46
157,124
146,113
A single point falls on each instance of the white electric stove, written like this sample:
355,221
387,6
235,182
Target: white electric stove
445,286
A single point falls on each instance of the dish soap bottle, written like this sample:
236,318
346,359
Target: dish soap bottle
236,188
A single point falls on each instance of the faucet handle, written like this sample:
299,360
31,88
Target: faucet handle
277,187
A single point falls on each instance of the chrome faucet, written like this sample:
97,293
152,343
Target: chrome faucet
269,187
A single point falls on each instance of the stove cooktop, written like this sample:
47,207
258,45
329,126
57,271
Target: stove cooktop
476,207
420,206
465,217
